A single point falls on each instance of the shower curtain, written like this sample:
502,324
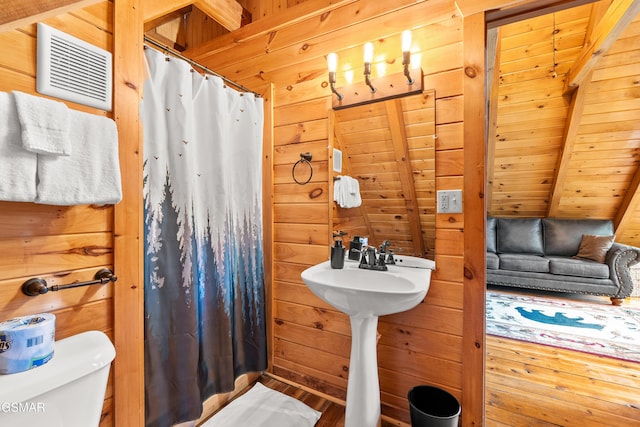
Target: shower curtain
204,273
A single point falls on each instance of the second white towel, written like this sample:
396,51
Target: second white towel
91,175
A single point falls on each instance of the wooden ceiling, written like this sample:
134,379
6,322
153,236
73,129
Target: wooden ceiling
564,134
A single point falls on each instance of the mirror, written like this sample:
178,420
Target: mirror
389,147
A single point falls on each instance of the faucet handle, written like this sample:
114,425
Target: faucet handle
390,259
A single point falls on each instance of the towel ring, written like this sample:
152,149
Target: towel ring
305,158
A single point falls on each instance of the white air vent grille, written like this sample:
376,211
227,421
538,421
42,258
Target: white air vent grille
72,69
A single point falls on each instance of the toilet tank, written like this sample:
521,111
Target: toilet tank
68,391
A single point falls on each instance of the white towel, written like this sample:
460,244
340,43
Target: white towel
45,124
263,407
17,165
346,192
91,175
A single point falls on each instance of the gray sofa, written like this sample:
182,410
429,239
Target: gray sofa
561,255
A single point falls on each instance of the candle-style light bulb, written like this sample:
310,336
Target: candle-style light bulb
368,52
332,62
406,54
332,65
368,57
406,41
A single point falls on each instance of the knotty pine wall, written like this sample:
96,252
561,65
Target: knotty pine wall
439,342
66,244
58,243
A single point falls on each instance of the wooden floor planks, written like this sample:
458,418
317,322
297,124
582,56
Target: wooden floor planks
529,385
534,385
597,391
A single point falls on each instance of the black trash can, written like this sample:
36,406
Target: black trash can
433,407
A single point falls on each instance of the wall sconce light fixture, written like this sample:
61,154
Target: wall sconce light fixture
387,87
368,58
332,65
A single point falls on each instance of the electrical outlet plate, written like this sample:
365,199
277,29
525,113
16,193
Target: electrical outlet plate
449,201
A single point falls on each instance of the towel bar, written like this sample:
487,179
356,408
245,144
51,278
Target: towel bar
38,286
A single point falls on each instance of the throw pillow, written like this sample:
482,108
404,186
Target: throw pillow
595,247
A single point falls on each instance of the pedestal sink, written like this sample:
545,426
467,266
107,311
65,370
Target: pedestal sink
364,295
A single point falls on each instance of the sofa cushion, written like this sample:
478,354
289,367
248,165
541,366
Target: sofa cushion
563,236
524,262
578,267
595,247
520,236
491,234
493,262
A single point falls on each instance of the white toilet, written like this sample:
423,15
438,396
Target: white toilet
68,391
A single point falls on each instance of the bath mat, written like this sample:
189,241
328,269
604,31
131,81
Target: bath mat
264,407
604,330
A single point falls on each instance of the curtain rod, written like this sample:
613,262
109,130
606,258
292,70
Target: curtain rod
171,51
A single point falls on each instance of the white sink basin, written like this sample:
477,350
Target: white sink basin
360,292
364,295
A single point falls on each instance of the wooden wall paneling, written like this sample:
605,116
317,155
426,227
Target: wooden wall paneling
52,254
28,219
62,244
128,234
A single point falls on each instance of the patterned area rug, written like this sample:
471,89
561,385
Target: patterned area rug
605,330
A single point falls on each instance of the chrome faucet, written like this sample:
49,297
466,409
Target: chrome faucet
369,260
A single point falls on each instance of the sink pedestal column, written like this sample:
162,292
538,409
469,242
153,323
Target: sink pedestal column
363,388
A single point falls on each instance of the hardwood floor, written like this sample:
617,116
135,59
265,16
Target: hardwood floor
529,385
534,385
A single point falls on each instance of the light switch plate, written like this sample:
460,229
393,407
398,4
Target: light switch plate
449,201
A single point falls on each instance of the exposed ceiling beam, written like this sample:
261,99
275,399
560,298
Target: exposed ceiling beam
227,13
568,141
492,84
17,14
628,206
401,150
615,20
572,124
471,7
179,13
527,10
270,24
